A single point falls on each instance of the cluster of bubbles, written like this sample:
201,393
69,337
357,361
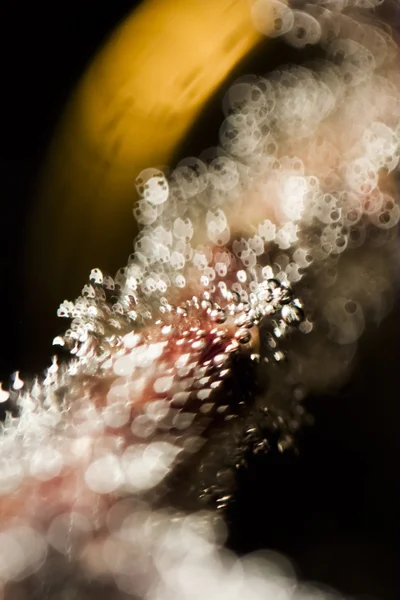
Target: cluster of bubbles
311,148
157,555
135,405
308,153
300,185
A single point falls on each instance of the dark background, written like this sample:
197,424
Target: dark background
332,509
45,48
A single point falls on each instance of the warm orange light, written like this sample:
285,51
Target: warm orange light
134,106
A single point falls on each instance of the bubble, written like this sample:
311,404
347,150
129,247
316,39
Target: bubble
163,384
152,185
11,557
209,272
11,475
157,410
183,420
149,286
236,98
199,169
249,258
96,275
339,244
187,181
294,189
243,336
179,399
18,384
302,257
272,18
183,229
146,465
241,276
306,326
200,260
335,215
355,61
163,235
223,174
104,475
221,269
324,207
66,309
240,140
180,281
45,463
145,213
131,340
124,366
217,227
267,230
345,318
352,216
34,548
357,236
381,145
143,426
362,176
256,245
240,246
386,218
177,260
293,272
286,235
329,25
305,30
116,414
270,145
68,532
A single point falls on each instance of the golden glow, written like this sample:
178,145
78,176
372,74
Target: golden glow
134,106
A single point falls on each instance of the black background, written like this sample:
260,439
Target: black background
332,509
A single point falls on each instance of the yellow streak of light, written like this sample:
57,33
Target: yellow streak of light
134,106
